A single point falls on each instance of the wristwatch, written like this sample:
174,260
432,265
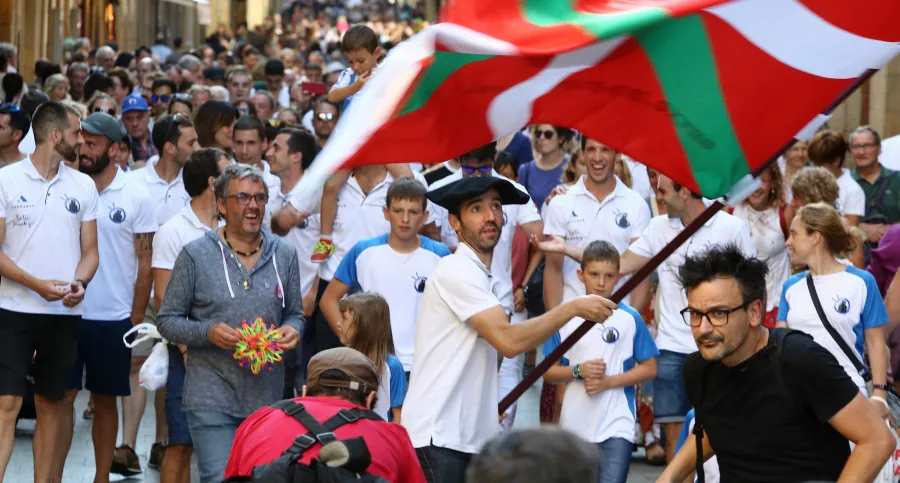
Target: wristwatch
882,387
83,283
576,372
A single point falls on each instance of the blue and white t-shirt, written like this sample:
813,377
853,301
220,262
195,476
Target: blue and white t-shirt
620,341
392,390
399,277
711,466
851,302
347,78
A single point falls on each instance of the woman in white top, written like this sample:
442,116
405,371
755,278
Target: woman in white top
764,214
849,298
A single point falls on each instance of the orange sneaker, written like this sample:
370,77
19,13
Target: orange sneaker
323,249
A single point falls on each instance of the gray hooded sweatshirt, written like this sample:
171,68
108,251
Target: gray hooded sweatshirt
207,287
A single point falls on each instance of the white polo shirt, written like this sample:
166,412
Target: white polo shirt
43,230
674,334
125,210
182,229
611,413
513,216
274,184
359,216
169,198
452,396
399,277
580,218
303,238
851,197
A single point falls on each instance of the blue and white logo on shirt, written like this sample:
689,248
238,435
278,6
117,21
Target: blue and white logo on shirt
72,205
622,219
419,283
841,305
116,214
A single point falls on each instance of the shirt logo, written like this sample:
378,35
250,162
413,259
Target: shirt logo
22,199
505,219
278,294
116,214
419,283
622,220
21,202
841,305
610,335
303,224
72,205
573,214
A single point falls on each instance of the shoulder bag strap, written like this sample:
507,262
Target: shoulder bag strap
854,358
879,195
775,359
698,428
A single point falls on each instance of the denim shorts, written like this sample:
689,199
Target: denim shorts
615,455
670,399
179,433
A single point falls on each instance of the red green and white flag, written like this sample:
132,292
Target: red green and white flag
705,91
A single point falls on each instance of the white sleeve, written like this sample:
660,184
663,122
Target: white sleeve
527,213
145,219
641,221
310,203
555,217
464,290
93,202
854,201
645,246
166,247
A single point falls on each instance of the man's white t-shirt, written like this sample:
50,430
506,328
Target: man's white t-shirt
182,229
851,197
43,230
303,238
513,216
581,219
674,334
452,397
621,341
125,210
169,198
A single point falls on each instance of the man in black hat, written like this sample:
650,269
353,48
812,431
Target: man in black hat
450,408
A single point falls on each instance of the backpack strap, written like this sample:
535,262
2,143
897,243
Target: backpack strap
879,195
319,432
775,358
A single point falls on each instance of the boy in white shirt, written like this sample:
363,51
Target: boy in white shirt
606,365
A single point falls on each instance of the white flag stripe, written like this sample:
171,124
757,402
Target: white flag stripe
797,37
512,109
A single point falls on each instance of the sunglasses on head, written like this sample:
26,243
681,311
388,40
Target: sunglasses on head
111,112
546,134
480,169
182,97
9,107
164,99
325,116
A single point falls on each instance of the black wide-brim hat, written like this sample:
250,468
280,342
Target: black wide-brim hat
453,195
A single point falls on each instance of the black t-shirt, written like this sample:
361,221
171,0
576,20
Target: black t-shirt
437,174
757,432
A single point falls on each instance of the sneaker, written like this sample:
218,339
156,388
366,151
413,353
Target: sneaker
157,452
125,462
323,249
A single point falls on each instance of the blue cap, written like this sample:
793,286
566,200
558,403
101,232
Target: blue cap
134,103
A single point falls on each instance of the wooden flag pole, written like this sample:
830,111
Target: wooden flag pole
654,262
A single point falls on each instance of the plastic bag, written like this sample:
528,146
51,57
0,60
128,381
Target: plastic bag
155,371
146,330
890,472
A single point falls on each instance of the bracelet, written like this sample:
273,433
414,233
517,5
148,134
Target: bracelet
881,400
576,372
881,387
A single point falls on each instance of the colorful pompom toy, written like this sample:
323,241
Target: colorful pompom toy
259,346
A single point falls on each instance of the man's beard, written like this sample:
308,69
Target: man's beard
67,151
96,166
474,239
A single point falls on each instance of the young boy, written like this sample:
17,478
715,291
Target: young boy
606,364
396,265
361,49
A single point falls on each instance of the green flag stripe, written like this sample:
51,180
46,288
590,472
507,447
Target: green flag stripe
680,52
444,65
546,13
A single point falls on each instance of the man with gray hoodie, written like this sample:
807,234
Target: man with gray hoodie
234,274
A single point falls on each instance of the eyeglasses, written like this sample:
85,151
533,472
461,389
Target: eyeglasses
243,199
546,134
325,116
164,99
481,169
9,107
861,147
111,112
716,317
183,97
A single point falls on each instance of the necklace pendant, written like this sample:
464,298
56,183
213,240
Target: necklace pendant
246,285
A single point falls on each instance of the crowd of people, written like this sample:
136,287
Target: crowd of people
409,299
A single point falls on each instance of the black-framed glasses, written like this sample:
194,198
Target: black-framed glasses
9,107
111,112
717,317
325,116
546,134
164,99
243,199
481,169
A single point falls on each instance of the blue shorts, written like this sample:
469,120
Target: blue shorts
670,399
179,433
102,358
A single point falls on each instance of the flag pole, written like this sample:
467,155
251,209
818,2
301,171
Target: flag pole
657,259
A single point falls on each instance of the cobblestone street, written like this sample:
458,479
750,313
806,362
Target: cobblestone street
80,463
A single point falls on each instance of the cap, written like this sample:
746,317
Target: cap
102,124
335,66
361,373
134,102
274,67
260,86
456,193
